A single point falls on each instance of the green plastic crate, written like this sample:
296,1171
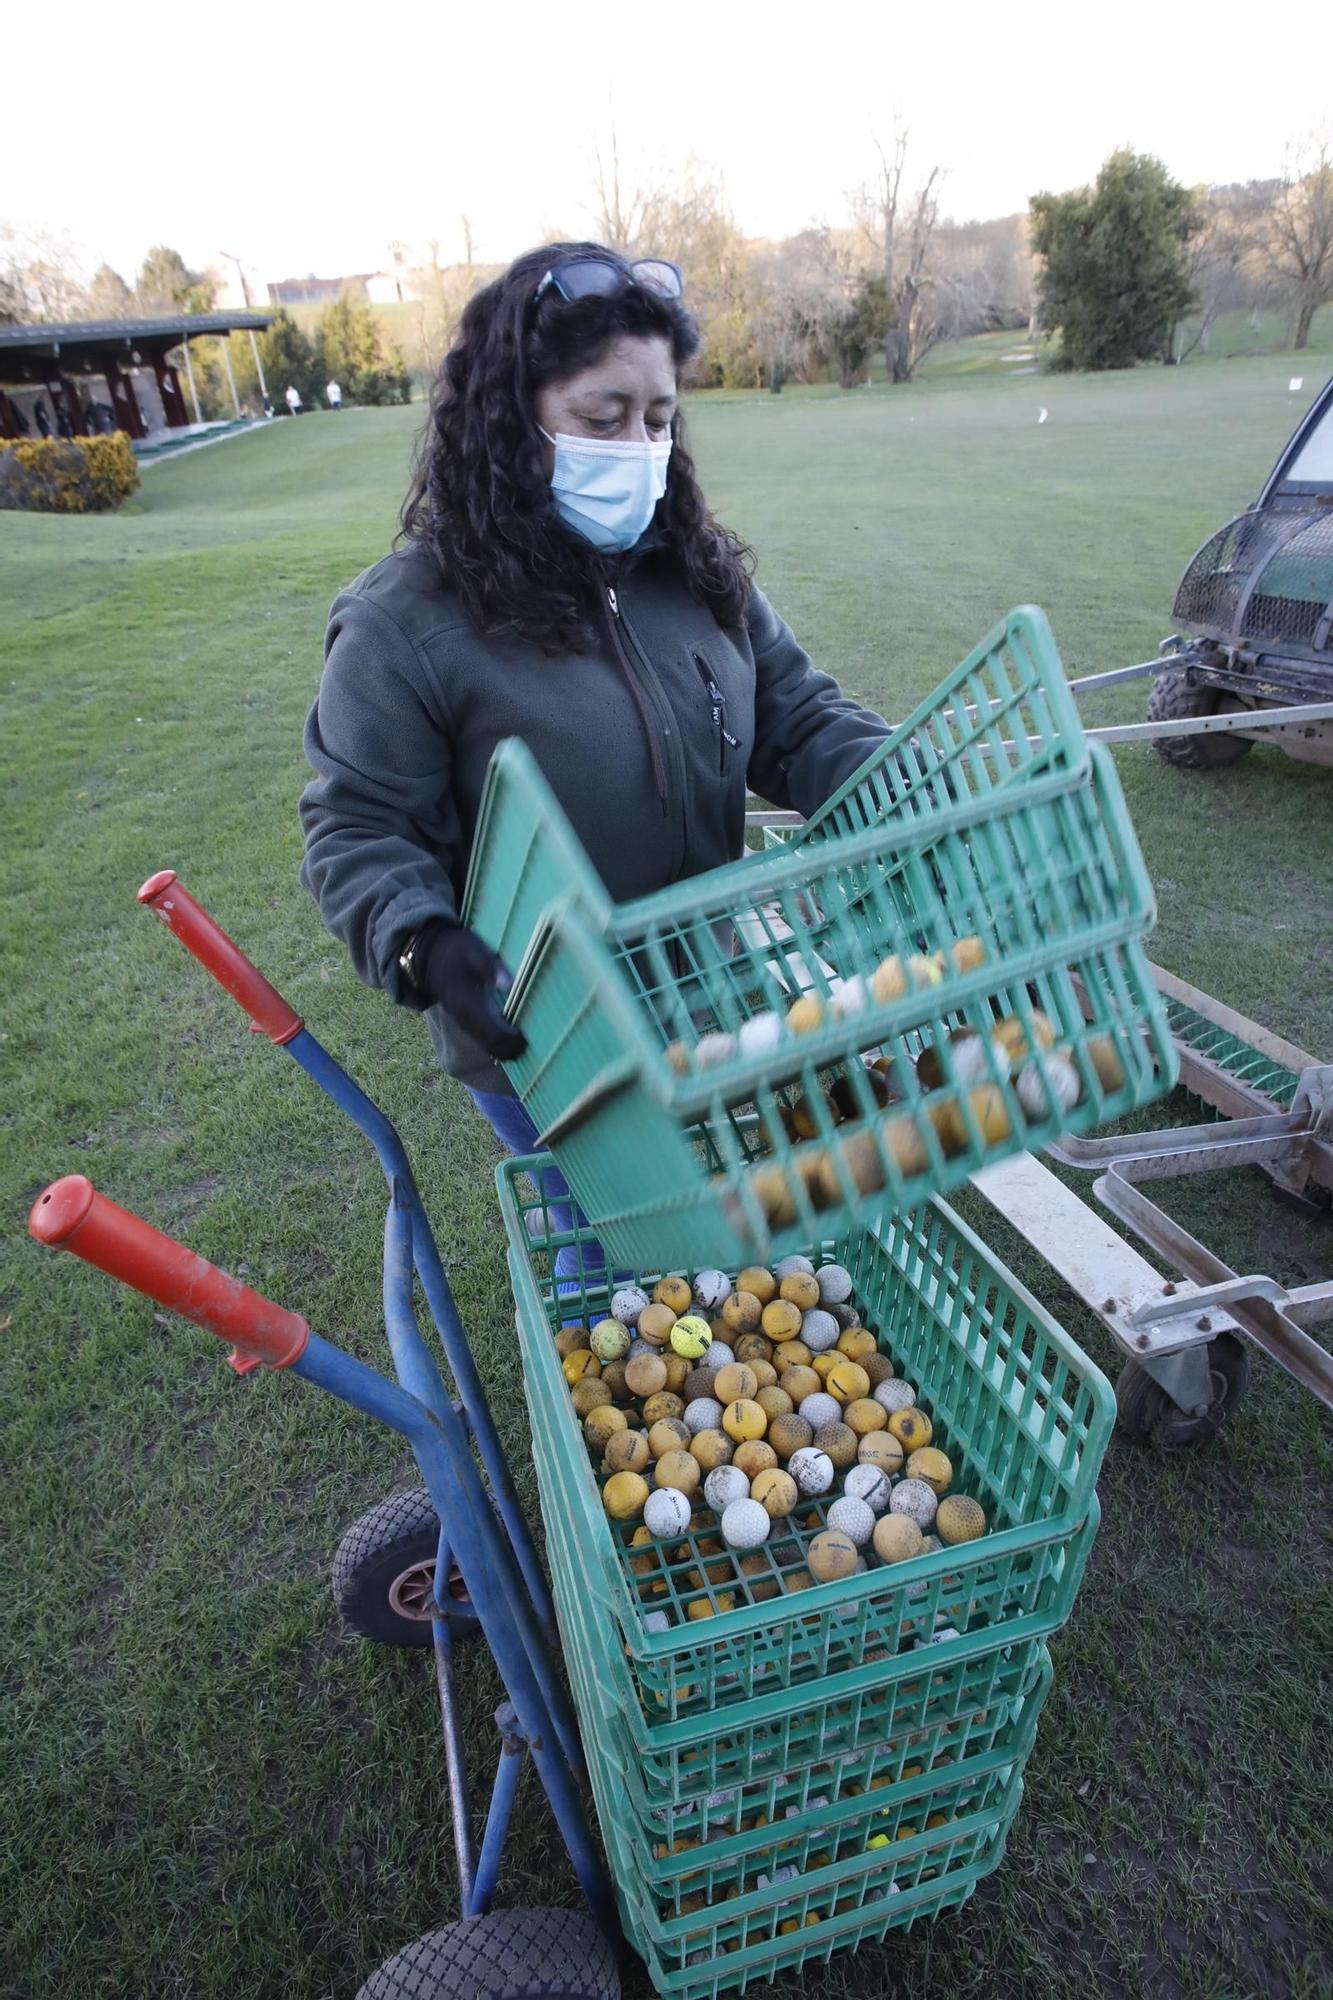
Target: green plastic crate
1025,1415
1040,867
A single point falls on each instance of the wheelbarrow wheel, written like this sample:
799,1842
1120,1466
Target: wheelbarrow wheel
1145,1411
384,1574
1173,699
506,1955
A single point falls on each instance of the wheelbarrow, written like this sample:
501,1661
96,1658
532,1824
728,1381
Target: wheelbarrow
434,1566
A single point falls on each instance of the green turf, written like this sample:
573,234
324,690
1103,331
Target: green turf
209,1790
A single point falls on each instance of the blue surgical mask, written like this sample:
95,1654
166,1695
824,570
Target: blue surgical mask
606,491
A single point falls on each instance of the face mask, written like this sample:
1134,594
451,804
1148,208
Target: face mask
606,491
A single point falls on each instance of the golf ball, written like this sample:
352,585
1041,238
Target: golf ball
812,1470
725,1484
835,1284
789,1265
710,1288
703,1414
853,1518
819,1330
864,1482
666,1511
821,1409
895,1394
745,1524
915,1499
627,1304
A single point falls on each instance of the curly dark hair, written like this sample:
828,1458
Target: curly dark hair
480,499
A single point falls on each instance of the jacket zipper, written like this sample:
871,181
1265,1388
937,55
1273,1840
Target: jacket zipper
718,708
652,729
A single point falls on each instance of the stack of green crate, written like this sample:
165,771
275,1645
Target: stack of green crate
697,1059
805,1769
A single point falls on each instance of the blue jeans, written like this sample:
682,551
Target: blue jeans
516,1132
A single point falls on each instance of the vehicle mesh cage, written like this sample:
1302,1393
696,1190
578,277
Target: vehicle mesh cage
1264,579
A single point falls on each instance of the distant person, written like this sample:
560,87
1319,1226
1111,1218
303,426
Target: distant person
293,399
335,396
41,418
561,580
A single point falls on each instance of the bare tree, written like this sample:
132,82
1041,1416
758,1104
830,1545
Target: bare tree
1226,266
40,275
798,298
1300,233
902,226
621,210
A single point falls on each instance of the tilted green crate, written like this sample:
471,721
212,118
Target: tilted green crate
993,891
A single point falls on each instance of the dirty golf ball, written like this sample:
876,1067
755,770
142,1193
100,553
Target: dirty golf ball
1031,1091
801,1290
819,1330
734,1381
897,1538
609,1339
812,1470
912,1428
789,1265
777,1493
710,1288
744,1419
703,1414
745,1524
837,1442
624,1495
678,1469
915,1499
831,1556
820,1409
881,1448
626,1451
868,1483
931,1465
853,1518
723,1485
666,1512
959,1519
743,1311
691,1336
895,1394
835,1284
627,1304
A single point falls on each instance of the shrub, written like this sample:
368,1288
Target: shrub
86,475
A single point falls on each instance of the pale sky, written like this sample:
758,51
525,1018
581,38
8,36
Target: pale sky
307,138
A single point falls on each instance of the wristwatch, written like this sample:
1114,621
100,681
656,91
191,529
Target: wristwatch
407,961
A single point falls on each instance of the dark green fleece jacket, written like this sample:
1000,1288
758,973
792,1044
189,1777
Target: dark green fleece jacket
649,741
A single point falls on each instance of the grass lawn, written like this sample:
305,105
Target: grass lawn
209,1790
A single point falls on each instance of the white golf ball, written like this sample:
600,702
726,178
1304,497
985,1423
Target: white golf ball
820,1409
703,1414
790,1266
639,1346
819,1330
724,1484
710,1288
812,1470
849,997
627,1304
1031,1092
835,1284
968,1055
710,1050
666,1512
715,1356
745,1525
852,1517
869,1483
915,1499
760,1035
895,1394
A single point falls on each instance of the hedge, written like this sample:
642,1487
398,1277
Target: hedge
83,475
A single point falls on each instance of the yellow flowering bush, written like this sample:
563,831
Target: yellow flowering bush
82,475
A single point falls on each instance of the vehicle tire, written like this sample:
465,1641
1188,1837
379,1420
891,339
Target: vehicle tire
507,1955
384,1573
1145,1412
1172,699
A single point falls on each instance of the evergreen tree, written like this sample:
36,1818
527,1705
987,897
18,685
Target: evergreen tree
1115,273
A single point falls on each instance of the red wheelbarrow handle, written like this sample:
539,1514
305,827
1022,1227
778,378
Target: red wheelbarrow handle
72,1215
215,951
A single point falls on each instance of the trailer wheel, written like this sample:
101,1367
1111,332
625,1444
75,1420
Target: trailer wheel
507,1955
384,1574
1146,1413
1173,699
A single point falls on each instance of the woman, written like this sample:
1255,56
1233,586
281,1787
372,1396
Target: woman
560,580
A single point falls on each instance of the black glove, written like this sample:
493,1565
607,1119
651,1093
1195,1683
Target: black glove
457,969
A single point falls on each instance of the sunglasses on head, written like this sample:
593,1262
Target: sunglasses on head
602,277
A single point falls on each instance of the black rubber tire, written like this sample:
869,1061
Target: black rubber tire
1172,699
507,1955
1146,1413
399,1534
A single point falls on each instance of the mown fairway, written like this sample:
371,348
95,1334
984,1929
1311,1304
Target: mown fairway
209,1791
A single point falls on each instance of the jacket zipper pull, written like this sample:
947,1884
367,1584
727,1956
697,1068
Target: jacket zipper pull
611,600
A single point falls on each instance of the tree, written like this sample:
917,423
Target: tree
109,297
1300,234
865,320
619,216
1115,271
1225,267
40,276
901,227
351,350
166,284
696,229
288,357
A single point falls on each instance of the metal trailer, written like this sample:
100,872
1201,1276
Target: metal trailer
432,1566
1253,660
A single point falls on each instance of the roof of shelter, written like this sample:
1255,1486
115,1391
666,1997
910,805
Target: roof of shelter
127,332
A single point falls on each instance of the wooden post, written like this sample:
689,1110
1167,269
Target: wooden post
225,345
259,366
189,376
